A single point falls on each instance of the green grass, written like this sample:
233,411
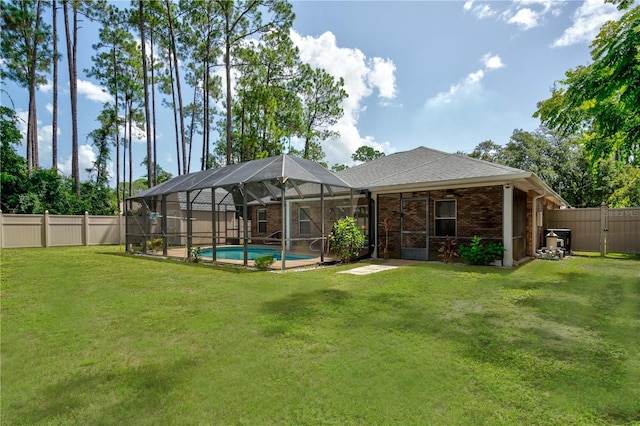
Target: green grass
94,336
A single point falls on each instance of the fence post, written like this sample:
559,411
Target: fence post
603,228
86,228
45,230
120,233
1,246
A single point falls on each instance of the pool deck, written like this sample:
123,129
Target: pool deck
181,253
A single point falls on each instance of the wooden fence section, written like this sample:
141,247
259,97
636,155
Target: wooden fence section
45,230
601,229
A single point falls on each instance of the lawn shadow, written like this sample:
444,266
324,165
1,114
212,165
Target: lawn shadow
100,397
299,309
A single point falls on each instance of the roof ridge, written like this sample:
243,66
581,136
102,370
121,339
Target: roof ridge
491,163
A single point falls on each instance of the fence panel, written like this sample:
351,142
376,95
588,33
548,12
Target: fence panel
105,230
591,227
623,230
45,230
584,225
20,230
66,230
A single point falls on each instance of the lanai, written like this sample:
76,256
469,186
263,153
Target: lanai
266,182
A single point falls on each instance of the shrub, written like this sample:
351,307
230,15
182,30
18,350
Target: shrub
448,250
346,239
263,262
155,244
480,254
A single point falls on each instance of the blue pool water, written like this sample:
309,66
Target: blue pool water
237,253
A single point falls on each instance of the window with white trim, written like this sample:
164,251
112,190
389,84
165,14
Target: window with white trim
304,220
262,221
445,218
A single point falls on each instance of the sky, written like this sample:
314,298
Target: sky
442,74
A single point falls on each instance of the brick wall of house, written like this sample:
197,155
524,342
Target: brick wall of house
478,213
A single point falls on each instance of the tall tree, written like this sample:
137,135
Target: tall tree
25,46
321,97
54,113
242,20
103,137
601,101
145,87
109,63
366,153
199,36
488,151
266,109
71,34
176,69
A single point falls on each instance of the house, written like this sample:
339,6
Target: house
427,195
423,195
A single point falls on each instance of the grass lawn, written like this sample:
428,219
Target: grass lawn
94,336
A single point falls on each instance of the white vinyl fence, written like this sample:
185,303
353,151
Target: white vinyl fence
46,230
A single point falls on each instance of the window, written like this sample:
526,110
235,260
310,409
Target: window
262,221
304,220
445,218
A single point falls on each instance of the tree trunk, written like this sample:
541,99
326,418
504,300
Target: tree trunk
180,109
130,147
73,92
175,112
153,112
117,124
145,86
54,125
227,68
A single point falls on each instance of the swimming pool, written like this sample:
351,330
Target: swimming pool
237,253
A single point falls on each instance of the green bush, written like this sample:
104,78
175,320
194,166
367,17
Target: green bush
155,244
346,239
480,254
263,262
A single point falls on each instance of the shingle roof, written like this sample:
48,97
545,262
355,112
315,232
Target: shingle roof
423,166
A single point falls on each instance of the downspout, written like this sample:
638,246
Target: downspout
534,225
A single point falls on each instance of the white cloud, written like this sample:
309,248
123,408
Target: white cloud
587,20
484,11
46,88
468,87
492,62
138,135
93,92
382,77
526,18
49,107
86,158
481,11
362,77
526,14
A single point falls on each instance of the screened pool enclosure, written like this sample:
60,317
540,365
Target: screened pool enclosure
283,206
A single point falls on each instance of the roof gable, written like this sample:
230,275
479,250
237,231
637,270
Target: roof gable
423,166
